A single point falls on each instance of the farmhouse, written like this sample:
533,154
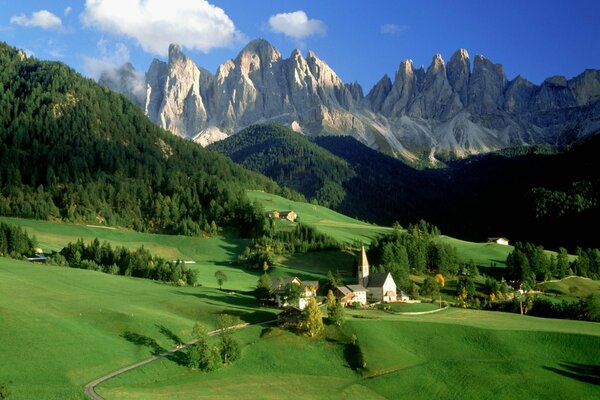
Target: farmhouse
280,290
348,295
498,240
380,286
285,215
38,257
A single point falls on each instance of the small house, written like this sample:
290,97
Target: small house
498,240
38,257
279,286
285,215
350,294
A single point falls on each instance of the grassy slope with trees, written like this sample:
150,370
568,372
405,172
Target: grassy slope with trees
453,354
71,149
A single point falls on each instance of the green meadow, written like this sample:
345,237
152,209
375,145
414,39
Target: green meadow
63,327
453,354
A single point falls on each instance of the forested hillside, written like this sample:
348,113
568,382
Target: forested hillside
543,195
532,194
290,159
73,150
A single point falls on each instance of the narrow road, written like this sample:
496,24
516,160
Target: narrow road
90,387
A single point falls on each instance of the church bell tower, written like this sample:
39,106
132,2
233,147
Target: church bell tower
363,268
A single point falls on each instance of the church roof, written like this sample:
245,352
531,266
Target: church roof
377,279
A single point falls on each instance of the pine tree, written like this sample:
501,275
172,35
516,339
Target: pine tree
312,318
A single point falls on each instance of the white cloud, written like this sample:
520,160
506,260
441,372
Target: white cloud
155,24
109,64
42,19
108,60
68,10
393,29
296,25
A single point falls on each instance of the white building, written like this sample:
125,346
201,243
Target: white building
350,294
380,286
498,240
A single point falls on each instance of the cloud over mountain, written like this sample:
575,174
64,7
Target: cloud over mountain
297,25
154,24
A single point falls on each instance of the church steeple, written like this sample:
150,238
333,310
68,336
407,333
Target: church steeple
363,268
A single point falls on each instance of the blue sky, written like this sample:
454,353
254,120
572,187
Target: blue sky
360,40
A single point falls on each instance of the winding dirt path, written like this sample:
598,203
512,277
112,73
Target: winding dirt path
90,388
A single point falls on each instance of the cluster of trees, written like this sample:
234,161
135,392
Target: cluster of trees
73,150
585,309
528,263
261,252
291,160
416,249
122,261
206,356
15,242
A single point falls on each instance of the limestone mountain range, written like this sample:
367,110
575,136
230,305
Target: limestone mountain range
449,108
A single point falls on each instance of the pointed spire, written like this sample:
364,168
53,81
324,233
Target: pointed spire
363,257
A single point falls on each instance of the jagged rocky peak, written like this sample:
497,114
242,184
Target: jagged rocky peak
518,95
257,54
464,105
557,80
355,90
458,71
486,86
379,93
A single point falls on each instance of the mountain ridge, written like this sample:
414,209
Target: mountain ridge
449,107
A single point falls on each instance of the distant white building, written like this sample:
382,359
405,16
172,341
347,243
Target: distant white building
498,240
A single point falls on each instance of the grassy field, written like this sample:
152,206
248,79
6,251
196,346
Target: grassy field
454,354
62,327
572,286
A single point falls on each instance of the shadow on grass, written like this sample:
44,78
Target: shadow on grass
142,340
169,334
179,357
587,373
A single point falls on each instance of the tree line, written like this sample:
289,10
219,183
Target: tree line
15,242
138,263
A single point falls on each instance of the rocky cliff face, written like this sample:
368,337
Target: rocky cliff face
447,108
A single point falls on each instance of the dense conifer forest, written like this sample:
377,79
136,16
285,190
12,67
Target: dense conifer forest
73,150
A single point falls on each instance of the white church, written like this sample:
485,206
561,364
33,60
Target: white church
379,286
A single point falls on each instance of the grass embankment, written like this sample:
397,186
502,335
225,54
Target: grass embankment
574,286
462,354
62,327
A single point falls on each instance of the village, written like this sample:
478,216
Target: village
370,288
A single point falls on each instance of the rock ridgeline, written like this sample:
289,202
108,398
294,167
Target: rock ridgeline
448,108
